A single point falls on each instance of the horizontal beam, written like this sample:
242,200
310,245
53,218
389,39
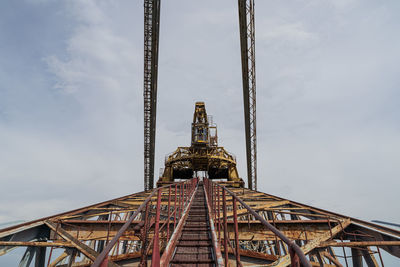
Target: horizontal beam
88,251
359,244
36,244
285,261
77,212
96,223
253,254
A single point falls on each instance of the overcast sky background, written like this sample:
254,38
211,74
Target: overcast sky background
71,104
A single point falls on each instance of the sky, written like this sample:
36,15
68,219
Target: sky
71,99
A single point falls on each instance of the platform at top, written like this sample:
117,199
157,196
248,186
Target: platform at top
203,155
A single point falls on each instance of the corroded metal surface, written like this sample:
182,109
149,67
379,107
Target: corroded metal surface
204,154
195,242
324,237
151,45
248,57
123,230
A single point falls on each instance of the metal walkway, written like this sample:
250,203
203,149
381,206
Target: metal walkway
195,247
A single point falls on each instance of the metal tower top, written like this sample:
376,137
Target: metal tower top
204,155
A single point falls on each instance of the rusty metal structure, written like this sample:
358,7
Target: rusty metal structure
204,155
151,45
200,223
248,56
187,221
190,221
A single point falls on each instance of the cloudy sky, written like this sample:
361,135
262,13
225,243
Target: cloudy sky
71,119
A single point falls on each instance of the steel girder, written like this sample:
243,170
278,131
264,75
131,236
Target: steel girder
247,47
327,238
151,46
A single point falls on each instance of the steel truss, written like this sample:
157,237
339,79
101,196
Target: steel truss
247,47
151,45
82,236
126,230
248,218
78,237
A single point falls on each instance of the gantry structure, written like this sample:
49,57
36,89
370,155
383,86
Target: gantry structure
204,155
212,221
248,52
188,220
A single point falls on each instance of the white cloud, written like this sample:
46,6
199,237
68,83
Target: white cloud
275,33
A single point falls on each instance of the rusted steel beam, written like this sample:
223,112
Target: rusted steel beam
333,214
58,259
359,244
85,249
116,259
331,258
20,228
121,231
36,244
84,223
144,234
254,254
236,231
77,212
296,221
296,249
314,243
261,235
247,48
156,244
225,229
257,208
151,47
215,240
102,235
103,256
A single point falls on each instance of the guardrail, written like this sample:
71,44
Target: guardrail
217,195
147,215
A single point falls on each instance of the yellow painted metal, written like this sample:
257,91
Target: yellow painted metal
204,154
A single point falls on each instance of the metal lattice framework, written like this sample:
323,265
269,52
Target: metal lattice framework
151,45
196,222
247,46
246,226
129,226
326,238
204,154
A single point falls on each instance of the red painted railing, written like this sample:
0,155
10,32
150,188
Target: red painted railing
217,197
148,215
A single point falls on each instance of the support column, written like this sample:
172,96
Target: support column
247,47
151,45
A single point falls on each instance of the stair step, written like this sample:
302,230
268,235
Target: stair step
194,247
192,265
193,250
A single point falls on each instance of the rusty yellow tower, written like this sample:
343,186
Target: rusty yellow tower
204,154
